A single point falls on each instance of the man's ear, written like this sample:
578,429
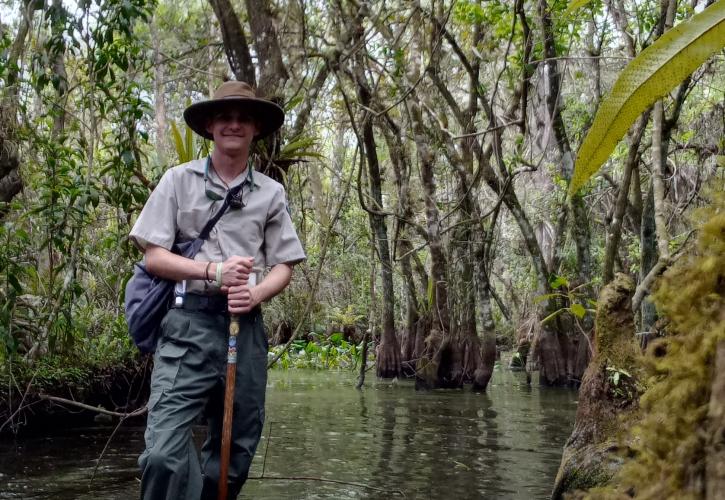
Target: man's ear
209,123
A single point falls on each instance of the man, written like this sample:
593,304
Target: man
190,360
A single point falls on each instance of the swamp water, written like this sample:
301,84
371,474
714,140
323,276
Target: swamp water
438,445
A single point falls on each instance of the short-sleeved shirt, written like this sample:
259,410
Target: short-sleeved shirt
179,207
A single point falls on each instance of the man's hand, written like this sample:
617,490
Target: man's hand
235,271
242,299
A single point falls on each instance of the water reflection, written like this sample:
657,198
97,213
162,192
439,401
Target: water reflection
444,444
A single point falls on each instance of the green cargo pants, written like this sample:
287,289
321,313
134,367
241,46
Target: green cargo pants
188,380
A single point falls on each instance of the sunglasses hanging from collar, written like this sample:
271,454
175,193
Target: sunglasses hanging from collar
236,200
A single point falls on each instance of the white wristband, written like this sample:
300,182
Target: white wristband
219,267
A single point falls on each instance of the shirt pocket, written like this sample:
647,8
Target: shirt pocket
241,233
191,222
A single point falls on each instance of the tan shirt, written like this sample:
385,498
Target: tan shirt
179,208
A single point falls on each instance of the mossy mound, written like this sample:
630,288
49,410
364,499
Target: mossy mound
589,458
614,322
586,467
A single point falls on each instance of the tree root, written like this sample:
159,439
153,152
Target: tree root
137,412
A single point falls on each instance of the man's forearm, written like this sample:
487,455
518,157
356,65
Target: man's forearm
165,264
275,281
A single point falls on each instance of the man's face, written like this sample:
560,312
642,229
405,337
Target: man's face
233,130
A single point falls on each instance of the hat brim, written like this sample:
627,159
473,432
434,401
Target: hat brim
269,115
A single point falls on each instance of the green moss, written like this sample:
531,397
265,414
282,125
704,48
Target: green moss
668,442
615,324
589,476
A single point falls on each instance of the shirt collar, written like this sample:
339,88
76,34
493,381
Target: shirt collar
198,167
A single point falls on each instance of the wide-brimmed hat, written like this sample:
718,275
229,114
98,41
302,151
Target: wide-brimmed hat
232,94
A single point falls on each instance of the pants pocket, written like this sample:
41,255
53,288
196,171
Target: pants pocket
166,366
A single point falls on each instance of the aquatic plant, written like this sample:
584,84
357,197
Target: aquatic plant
322,353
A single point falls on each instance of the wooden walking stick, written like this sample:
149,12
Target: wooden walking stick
228,406
229,398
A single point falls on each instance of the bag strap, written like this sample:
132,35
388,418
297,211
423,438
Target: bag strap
233,192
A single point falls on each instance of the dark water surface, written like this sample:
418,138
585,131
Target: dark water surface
441,444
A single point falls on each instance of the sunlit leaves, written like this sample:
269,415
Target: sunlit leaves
578,310
184,146
576,5
559,282
333,352
299,148
468,12
656,70
572,298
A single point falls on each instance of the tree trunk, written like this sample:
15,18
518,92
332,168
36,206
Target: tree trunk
578,219
659,153
648,259
27,8
484,369
58,68
235,42
303,111
159,103
438,341
463,305
272,72
10,181
318,199
401,244
615,233
472,357
388,359
656,246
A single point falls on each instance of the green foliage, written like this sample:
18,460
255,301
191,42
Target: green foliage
184,146
575,299
345,317
468,12
81,168
299,148
575,5
331,353
13,275
653,73
74,371
621,383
